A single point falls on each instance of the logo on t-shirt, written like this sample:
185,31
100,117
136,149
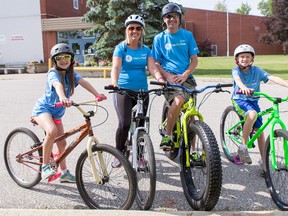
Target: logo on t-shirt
128,58
168,46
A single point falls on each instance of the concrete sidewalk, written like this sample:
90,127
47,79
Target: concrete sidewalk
65,212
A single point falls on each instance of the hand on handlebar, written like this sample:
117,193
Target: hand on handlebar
246,91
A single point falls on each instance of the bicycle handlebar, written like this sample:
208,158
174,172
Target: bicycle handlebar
191,91
77,105
121,90
272,99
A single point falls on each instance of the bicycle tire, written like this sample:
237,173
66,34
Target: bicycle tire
18,141
202,181
276,180
146,176
119,188
229,118
173,153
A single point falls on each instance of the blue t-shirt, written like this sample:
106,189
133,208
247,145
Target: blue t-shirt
133,71
45,104
251,79
173,51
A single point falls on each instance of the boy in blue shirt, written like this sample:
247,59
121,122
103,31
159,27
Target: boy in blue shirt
246,78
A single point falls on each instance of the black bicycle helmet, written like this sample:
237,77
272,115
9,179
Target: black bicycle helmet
171,8
61,48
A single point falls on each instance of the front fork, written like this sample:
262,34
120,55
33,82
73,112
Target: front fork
185,122
96,176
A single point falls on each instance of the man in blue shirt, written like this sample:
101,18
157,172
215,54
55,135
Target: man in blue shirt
175,52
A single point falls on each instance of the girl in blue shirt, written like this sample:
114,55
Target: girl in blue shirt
60,84
130,59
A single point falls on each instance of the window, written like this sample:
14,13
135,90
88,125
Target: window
76,4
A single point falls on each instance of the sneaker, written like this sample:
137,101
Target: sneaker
244,155
67,177
166,143
47,171
116,163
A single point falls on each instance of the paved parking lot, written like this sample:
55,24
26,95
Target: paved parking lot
243,188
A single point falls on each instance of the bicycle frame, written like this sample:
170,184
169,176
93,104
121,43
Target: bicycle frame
272,120
84,129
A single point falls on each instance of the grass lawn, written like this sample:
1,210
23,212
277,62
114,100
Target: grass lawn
221,66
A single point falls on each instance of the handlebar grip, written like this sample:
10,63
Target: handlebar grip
99,98
240,92
58,104
110,87
158,83
226,85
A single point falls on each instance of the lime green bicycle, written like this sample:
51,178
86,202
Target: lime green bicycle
276,146
197,148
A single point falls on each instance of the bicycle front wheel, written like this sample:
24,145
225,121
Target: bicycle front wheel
202,180
146,172
228,119
23,169
277,179
118,189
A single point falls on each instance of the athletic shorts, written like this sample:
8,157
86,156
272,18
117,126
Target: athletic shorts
243,107
189,83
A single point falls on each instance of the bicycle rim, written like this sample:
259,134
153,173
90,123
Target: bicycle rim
118,190
229,118
202,181
24,174
146,172
277,180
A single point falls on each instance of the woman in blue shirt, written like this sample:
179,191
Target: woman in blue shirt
130,59
60,84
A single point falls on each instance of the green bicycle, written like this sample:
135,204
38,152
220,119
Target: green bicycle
197,148
276,146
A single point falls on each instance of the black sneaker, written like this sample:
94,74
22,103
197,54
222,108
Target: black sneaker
166,143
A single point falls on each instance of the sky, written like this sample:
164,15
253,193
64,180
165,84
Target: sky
210,4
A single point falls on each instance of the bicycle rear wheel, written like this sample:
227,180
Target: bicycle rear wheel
229,118
202,180
25,174
146,172
277,179
118,190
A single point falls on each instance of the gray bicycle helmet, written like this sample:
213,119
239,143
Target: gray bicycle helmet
61,48
135,19
171,8
244,48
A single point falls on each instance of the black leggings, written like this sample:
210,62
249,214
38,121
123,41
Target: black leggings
123,105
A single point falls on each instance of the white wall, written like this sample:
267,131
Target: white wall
20,31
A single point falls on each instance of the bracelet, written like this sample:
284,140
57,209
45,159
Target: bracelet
159,78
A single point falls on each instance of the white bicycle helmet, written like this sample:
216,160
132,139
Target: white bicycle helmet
135,19
244,48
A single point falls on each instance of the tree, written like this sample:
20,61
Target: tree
221,6
265,7
244,9
277,25
109,17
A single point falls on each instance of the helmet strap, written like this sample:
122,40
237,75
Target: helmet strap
242,67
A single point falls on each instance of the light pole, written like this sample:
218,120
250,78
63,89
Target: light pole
227,27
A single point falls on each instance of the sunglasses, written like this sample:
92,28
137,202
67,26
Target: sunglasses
138,28
66,57
169,16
